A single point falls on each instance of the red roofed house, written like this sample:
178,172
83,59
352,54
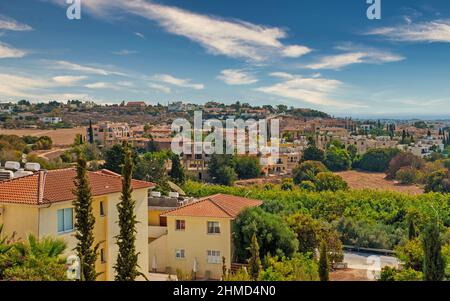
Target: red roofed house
41,204
198,233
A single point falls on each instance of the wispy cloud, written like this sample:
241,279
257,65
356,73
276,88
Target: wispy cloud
313,90
125,52
354,55
160,88
184,83
64,65
102,85
219,36
431,31
68,80
140,35
7,23
236,77
7,51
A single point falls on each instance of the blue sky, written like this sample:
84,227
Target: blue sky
325,55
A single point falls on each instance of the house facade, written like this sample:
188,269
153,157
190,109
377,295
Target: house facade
196,236
41,204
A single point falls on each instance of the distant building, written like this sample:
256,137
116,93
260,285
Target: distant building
136,104
109,133
6,108
51,120
176,107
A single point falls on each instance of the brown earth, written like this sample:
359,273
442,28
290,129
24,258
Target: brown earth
349,275
376,181
60,137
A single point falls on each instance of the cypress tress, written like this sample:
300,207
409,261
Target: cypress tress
91,133
254,263
324,268
127,260
177,171
434,262
84,223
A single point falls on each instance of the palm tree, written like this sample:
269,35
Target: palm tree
46,248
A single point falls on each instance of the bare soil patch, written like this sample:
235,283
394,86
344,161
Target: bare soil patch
60,137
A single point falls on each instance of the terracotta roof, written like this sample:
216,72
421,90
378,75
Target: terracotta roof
217,206
53,186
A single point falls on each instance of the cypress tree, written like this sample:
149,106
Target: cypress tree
434,262
324,268
412,233
84,223
254,263
177,171
91,133
127,260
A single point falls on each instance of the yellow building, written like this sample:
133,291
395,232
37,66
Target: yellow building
197,235
41,204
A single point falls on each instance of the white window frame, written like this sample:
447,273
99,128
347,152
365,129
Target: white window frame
65,219
213,257
180,254
213,227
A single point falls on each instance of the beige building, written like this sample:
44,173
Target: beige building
41,204
196,236
109,133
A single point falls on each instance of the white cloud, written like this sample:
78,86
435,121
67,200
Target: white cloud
85,69
125,52
185,83
354,56
68,80
219,36
7,23
140,35
160,88
432,31
7,51
314,90
102,85
236,77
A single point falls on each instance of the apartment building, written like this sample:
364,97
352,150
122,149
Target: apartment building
109,133
41,204
195,237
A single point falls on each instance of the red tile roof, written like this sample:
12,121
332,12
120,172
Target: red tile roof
53,186
217,206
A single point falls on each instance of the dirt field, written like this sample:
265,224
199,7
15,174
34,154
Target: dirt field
376,181
60,137
349,275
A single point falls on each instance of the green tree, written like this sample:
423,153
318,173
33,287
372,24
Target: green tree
247,167
126,266
324,267
307,171
254,263
177,171
221,169
327,181
337,159
438,181
152,168
114,158
434,262
84,223
299,267
312,153
91,133
378,159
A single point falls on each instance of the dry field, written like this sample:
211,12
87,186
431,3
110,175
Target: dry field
349,275
60,137
376,181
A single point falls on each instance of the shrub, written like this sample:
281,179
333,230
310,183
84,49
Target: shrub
404,159
247,167
329,181
308,186
337,159
299,268
406,175
438,181
378,159
307,171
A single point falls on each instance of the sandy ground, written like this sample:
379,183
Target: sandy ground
376,181
60,137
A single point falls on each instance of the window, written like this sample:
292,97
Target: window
65,220
179,254
102,209
180,225
214,256
102,255
213,228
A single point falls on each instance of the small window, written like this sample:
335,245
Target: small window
102,255
180,225
213,257
179,254
213,228
102,209
65,220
